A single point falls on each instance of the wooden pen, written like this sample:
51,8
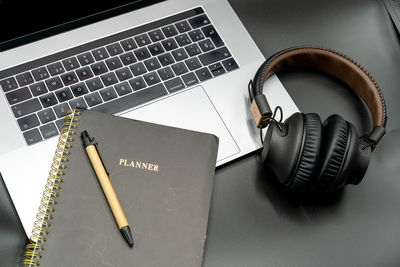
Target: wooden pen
91,150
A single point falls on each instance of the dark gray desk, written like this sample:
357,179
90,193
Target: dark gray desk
254,221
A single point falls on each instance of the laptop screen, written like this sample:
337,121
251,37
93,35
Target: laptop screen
23,21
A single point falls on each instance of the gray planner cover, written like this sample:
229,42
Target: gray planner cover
166,206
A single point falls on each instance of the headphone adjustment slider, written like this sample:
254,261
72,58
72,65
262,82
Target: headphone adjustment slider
260,110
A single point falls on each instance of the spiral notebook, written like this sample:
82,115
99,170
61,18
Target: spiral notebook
167,206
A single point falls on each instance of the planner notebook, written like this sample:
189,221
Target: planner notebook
163,178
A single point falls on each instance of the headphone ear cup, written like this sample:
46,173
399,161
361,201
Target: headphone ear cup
334,148
308,156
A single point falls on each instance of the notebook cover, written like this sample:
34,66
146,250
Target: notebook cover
166,206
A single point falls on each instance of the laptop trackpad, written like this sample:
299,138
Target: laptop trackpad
193,110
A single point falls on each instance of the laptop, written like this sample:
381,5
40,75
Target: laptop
182,63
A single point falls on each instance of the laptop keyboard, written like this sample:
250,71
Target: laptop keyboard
115,73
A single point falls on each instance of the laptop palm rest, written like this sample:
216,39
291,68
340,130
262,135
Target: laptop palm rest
190,109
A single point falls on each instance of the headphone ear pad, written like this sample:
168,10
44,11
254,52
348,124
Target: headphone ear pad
335,144
308,155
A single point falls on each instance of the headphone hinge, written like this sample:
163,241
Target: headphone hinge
260,110
375,136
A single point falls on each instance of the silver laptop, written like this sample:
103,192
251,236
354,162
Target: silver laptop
183,63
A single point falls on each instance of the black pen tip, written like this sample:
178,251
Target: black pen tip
126,233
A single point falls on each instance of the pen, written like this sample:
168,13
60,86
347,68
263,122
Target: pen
93,154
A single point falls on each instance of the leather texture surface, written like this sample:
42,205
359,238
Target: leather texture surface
310,151
335,134
337,65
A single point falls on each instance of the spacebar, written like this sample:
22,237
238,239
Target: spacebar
132,100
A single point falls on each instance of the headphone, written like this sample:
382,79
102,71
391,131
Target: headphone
305,154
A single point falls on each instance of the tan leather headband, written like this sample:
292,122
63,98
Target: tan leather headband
337,65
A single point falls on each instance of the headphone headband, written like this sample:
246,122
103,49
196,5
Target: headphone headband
325,60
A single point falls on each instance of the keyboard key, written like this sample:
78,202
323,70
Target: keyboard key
138,69
26,107
93,99
109,79
132,100
61,110
190,79
196,35
180,54
182,26
48,100
85,59
183,39
46,115
100,53
152,64
206,45
156,35
99,68
165,73
128,58
214,56
193,50
38,88
70,63
59,124
128,44
142,40
199,21
78,103
151,78
55,68
9,84
113,63
40,74
230,64
53,83
156,49
203,74
32,136
24,79
137,83
174,85
19,95
114,49
79,89
48,130
142,53
69,78
28,122
169,44
63,94
193,63
216,69
123,74
166,59
169,31
94,84
123,88
179,68
108,93
84,73
209,31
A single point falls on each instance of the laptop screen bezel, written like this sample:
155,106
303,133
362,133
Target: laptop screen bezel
52,28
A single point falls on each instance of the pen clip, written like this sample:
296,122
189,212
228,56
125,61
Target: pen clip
96,145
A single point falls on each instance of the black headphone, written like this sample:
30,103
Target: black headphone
305,154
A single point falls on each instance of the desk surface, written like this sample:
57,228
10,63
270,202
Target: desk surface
256,222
